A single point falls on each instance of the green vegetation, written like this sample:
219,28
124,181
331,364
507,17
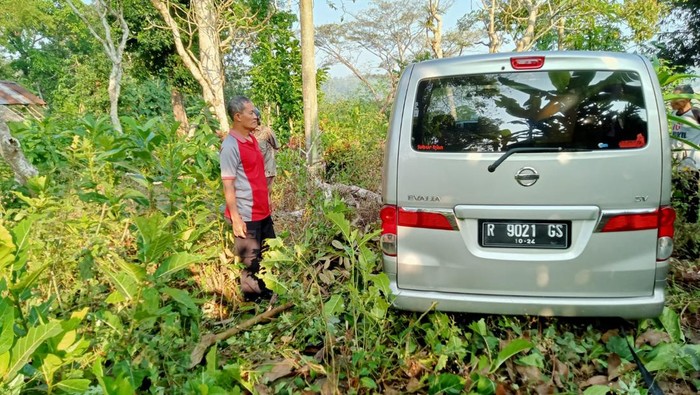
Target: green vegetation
115,264
116,267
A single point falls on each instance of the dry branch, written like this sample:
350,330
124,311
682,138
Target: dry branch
210,339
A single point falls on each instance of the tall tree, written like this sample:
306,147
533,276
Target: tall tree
108,11
391,31
155,59
42,41
566,24
308,73
276,72
680,41
203,31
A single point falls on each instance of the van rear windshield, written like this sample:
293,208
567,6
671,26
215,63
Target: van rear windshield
496,112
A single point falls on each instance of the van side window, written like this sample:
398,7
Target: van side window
495,112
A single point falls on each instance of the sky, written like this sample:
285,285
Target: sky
325,13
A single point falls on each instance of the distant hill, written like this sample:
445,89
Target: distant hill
342,88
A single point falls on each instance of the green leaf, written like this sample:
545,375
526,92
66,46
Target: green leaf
381,281
48,365
333,306
123,281
212,360
136,196
181,296
663,357
510,350
21,233
597,390
7,249
176,262
94,197
155,241
534,359
484,385
691,353
7,333
446,383
479,327
21,239
28,279
672,324
4,363
25,346
340,222
367,382
115,298
618,345
74,386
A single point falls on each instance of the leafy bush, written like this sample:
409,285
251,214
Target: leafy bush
105,259
353,135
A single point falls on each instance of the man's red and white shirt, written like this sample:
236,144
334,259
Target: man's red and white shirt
242,161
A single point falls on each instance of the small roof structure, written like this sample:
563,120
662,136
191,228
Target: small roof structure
11,93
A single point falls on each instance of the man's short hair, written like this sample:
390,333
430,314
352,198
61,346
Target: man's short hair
236,105
684,89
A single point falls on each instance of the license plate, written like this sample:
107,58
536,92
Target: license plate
524,234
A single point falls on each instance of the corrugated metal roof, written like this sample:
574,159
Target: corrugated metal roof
12,93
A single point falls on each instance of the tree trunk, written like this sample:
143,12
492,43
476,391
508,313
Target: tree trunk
528,38
206,68
560,34
114,51
12,154
434,27
179,112
494,39
206,18
308,76
114,89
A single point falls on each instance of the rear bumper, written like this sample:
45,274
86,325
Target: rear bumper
628,307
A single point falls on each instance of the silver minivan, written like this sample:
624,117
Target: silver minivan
531,183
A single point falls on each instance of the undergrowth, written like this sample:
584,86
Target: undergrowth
115,264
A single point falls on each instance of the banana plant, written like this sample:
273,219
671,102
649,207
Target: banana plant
667,79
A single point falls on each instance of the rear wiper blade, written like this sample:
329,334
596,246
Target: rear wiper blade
492,167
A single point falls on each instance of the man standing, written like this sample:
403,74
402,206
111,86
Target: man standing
687,156
268,145
246,193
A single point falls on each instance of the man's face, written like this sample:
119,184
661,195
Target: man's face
679,104
247,117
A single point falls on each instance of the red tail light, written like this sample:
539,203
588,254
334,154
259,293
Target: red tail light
667,216
527,62
393,217
661,219
388,217
419,219
387,240
627,222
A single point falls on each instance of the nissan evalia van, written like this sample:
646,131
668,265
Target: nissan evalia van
533,183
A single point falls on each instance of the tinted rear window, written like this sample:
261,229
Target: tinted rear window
496,112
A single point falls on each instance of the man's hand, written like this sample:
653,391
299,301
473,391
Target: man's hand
239,227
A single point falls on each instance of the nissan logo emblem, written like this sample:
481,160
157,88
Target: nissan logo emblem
527,176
